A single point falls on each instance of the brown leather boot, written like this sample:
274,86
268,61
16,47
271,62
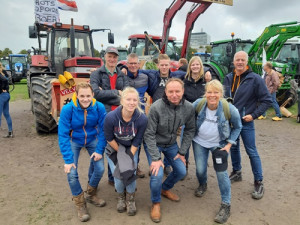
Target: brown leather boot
82,212
92,197
170,195
155,212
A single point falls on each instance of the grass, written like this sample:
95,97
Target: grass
20,91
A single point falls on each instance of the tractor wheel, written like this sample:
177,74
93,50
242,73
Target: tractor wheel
42,102
283,95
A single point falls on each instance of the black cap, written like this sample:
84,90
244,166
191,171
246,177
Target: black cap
111,49
220,159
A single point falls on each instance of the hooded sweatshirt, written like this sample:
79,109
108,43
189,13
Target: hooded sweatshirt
125,133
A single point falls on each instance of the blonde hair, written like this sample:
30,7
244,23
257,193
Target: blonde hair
163,57
1,69
189,71
129,90
215,85
83,85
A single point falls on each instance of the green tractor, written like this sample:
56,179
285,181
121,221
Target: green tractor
223,53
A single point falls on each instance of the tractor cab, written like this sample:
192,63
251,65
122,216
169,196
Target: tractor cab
222,53
142,46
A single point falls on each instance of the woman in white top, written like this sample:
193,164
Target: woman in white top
218,127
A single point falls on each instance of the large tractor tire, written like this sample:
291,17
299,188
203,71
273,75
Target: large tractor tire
283,95
42,102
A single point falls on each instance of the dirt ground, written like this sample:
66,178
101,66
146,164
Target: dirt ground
34,188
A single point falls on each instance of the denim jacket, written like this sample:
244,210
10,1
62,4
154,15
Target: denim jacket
229,131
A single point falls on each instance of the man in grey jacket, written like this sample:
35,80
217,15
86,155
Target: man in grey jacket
166,115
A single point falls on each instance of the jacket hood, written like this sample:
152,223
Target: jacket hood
135,116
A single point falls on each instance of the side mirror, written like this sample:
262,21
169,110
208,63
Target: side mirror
111,38
293,47
228,50
134,42
32,32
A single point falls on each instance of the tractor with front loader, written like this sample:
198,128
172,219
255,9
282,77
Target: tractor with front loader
223,52
68,48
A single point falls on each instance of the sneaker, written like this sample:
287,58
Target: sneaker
262,117
223,213
199,192
235,176
276,118
140,173
167,170
258,192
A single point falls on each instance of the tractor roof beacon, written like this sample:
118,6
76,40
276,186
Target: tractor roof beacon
68,48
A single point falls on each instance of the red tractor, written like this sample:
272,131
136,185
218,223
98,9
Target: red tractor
67,47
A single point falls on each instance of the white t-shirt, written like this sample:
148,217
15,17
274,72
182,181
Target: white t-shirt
208,134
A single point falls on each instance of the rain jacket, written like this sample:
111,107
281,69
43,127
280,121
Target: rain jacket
251,97
81,126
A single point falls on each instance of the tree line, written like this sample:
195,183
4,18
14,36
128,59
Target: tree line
5,52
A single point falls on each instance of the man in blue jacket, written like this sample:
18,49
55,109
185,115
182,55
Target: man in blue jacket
252,98
81,125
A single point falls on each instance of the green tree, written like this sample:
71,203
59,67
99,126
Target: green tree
208,48
5,52
23,51
96,53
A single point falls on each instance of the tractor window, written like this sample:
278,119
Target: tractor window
82,44
218,55
171,51
62,46
243,47
140,48
18,60
287,55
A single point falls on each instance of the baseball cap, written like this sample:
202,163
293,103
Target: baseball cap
220,160
111,49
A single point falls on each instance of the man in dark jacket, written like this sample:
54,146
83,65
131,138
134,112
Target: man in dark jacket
252,98
166,115
107,83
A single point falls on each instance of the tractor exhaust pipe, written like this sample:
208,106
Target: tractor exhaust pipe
72,39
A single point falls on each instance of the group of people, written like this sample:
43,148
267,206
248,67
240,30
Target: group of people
4,101
107,118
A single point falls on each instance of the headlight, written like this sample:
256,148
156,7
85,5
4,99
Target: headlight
279,69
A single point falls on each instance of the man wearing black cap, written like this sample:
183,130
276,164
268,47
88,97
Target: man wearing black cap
107,83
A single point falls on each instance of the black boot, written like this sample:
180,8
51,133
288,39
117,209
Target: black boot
9,135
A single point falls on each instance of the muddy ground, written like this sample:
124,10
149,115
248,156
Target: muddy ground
34,188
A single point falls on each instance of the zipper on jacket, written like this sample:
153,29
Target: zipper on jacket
237,89
85,134
173,125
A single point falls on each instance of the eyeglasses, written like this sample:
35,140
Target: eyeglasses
133,64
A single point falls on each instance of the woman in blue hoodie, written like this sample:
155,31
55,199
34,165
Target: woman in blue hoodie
81,125
124,130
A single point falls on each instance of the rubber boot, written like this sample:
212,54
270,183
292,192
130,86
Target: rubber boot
121,206
10,134
155,212
80,204
92,197
130,204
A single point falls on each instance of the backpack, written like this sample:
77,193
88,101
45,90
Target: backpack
225,105
281,78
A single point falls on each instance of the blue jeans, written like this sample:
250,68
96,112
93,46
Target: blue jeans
119,185
201,156
179,171
248,136
275,105
96,166
187,155
4,108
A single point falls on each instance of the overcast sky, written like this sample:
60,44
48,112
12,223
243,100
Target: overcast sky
247,18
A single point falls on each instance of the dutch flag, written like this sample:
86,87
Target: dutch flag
67,5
